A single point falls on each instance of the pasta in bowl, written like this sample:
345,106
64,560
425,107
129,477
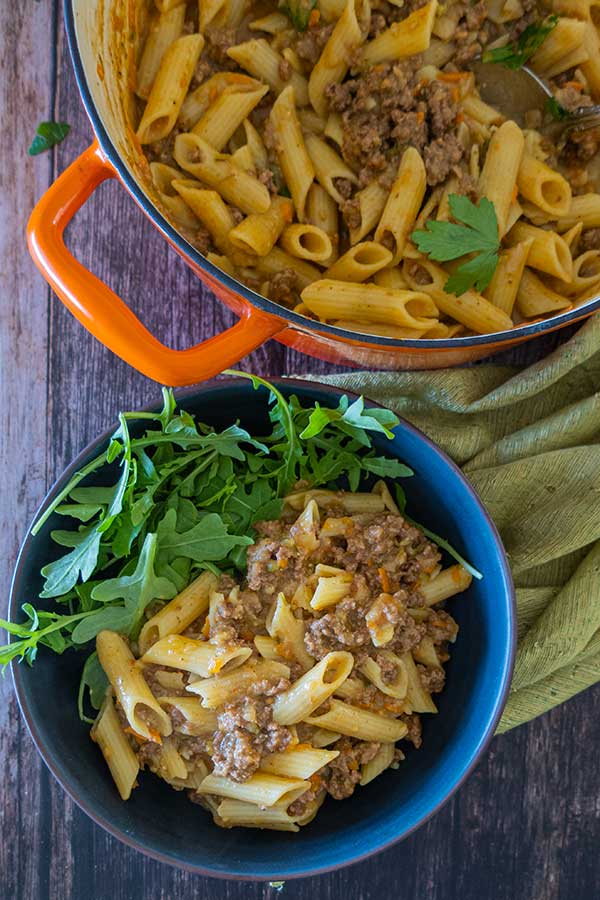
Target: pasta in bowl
338,159
153,606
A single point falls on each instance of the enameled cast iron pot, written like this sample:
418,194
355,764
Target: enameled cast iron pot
162,822
99,32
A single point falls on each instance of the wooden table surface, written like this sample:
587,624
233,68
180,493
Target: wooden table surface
526,826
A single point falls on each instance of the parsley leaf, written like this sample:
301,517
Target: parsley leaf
477,232
554,109
48,134
514,56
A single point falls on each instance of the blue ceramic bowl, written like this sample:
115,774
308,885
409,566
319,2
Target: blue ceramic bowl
162,822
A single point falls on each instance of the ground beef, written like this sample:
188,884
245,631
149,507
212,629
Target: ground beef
246,732
442,101
590,240
343,628
440,626
351,213
407,634
413,723
341,775
218,41
343,186
285,69
441,156
581,146
432,678
410,128
299,807
310,44
387,667
283,288
472,33
236,619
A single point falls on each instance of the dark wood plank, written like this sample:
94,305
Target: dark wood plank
526,825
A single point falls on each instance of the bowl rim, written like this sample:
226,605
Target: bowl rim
188,252
62,774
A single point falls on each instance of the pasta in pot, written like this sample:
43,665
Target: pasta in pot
285,141
262,698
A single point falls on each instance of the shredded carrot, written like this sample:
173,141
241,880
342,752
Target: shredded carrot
385,581
288,212
284,650
282,563
455,94
353,765
315,781
420,116
459,118
576,85
206,628
302,746
155,735
451,77
212,94
138,737
314,17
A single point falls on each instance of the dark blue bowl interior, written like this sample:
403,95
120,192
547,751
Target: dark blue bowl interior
162,822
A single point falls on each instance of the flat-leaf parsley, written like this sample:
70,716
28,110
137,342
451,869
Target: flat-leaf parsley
475,231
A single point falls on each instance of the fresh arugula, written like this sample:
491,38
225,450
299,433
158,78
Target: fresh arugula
177,498
515,55
474,232
298,11
48,134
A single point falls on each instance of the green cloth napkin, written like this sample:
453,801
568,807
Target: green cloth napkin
529,442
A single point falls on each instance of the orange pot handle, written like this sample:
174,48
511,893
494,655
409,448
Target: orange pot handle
103,313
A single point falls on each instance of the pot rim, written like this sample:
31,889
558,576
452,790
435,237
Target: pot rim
521,332
130,839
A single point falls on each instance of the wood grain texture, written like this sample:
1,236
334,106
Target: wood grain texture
526,826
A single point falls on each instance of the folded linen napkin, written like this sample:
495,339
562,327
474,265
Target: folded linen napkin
529,442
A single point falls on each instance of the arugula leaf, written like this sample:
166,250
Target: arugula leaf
47,135
477,232
95,681
299,12
554,109
208,540
64,573
514,56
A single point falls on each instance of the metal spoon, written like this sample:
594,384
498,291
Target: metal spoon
515,92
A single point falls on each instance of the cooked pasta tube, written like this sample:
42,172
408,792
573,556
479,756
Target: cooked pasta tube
196,719
565,38
500,170
293,157
256,145
321,737
277,259
238,814
178,612
264,62
212,12
169,88
449,582
306,242
331,590
403,203
502,289
322,211
426,653
163,177
328,166
352,502
171,764
359,723
131,690
591,66
219,689
471,309
312,688
586,274
261,788
226,114
282,625
548,252
474,107
380,626
198,101
334,129
272,23
391,278
360,262
332,65
200,657
164,29
406,38
217,170
372,670
534,298
301,761
370,203
120,758
380,762
585,208
267,647
543,186
418,697
330,299
212,211
258,233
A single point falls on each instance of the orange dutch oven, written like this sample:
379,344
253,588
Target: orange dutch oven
99,36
